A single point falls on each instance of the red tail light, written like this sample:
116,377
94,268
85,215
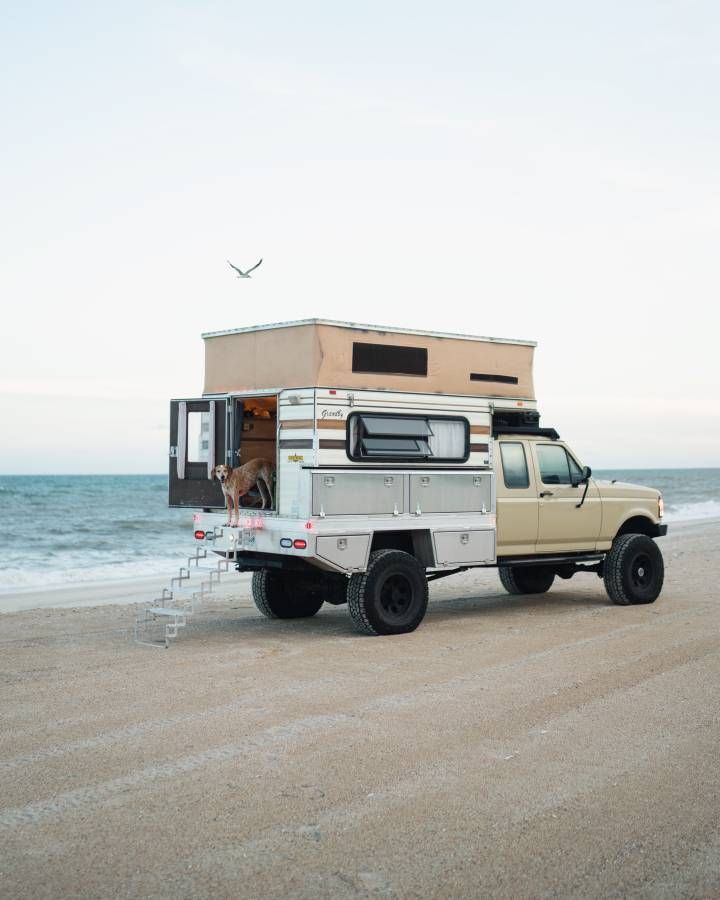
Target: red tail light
199,535
299,544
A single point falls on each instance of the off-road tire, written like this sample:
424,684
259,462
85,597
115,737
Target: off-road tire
633,570
526,579
391,597
280,595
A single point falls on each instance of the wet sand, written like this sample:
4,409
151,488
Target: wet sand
511,747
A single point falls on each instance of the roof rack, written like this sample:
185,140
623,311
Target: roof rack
521,421
550,433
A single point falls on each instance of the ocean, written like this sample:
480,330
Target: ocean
61,529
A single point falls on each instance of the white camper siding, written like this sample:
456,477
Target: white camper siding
296,450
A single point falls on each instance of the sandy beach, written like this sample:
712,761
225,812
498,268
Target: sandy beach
511,747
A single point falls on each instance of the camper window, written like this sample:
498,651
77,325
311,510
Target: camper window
407,438
387,359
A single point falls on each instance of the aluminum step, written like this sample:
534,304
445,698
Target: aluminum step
165,611
202,587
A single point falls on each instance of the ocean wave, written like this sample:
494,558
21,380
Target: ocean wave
26,579
683,512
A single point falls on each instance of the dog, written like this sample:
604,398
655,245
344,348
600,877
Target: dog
237,482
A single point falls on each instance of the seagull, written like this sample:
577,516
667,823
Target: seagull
240,272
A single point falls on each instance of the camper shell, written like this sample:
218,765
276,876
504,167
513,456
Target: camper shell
384,440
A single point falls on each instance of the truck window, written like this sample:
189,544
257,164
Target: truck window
379,436
515,468
556,465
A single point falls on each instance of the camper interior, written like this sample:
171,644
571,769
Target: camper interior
206,432
254,428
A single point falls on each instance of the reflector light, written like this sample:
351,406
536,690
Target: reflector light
256,522
285,542
308,525
332,392
299,544
199,535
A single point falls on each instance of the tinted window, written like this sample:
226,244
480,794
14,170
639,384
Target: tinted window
554,464
381,425
515,470
500,379
387,359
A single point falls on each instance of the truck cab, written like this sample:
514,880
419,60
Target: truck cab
548,502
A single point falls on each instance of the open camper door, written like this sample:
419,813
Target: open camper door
197,445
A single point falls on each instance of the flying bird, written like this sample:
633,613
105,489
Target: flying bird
240,272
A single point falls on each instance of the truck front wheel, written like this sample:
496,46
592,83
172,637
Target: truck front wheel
633,570
526,579
282,595
391,597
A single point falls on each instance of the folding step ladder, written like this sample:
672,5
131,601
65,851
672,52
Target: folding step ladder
160,623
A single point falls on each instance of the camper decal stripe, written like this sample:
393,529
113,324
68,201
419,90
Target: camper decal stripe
331,423
332,445
479,429
478,448
297,444
296,423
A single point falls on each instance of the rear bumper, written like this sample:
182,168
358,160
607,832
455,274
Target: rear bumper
660,531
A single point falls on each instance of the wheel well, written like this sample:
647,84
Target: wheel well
417,543
638,525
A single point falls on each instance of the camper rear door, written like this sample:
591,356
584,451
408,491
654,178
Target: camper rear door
197,444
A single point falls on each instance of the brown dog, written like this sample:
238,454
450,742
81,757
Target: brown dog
237,482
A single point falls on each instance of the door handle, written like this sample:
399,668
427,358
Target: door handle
546,493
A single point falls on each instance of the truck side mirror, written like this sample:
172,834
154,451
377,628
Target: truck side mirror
583,477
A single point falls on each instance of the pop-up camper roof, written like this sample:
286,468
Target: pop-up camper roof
324,353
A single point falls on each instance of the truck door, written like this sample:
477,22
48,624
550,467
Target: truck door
563,526
198,431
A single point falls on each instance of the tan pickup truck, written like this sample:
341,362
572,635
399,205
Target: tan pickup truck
554,519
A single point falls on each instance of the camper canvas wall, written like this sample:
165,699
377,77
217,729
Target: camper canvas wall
319,352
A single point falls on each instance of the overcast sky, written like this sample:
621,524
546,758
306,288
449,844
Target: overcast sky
548,171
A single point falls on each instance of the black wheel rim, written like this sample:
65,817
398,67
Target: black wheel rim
642,572
396,597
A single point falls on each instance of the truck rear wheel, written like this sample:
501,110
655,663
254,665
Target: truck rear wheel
526,579
391,597
282,595
633,570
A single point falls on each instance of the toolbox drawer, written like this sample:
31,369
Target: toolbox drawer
463,547
361,493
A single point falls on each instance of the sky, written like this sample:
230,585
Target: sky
546,171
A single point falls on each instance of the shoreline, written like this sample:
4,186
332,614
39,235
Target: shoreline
143,589
88,594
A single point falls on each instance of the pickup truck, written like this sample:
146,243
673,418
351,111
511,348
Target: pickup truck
551,520
399,457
